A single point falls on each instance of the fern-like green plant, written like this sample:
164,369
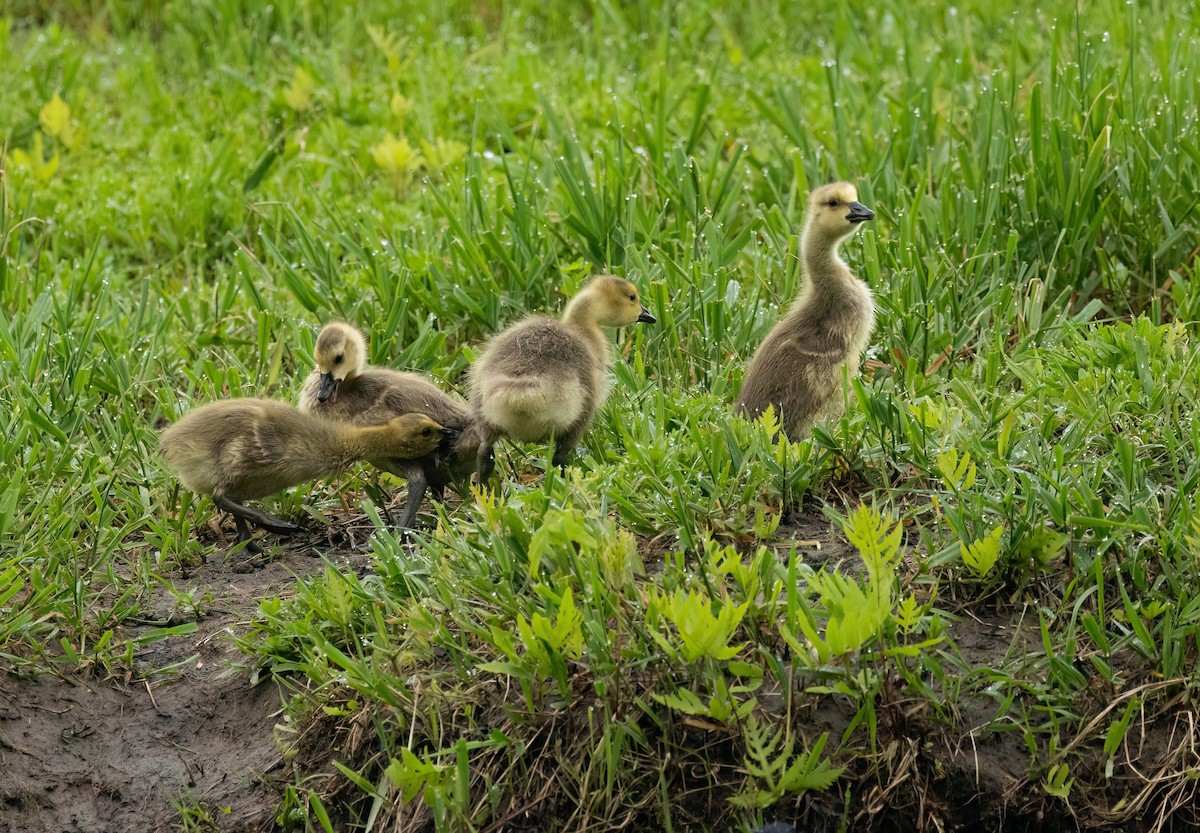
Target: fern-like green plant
560,528
957,472
414,776
982,555
878,542
547,644
724,705
444,788
777,770
856,612
701,633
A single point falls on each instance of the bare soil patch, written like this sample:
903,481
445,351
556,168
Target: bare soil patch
817,539
92,755
102,756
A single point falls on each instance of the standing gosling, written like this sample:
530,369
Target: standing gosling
243,449
798,369
543,379
344,387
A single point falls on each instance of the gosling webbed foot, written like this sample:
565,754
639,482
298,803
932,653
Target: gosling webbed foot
256,516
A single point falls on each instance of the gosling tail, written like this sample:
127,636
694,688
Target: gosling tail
532,410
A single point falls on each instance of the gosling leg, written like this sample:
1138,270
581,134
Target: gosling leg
485,461
563,446
255,516
246,536
417,486
562,453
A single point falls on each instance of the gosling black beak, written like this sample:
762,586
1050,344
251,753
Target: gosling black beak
646,317
859,213
327,388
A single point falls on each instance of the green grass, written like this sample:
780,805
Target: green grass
217,195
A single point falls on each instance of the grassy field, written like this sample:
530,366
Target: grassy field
191,190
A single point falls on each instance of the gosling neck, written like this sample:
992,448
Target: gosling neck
325,448
349,443
580,316
822,263
580,313
353,443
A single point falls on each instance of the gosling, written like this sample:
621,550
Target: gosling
243,449
345,388
798,369
543,380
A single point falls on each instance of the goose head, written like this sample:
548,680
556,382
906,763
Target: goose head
341,353
609,301
418,434
835,213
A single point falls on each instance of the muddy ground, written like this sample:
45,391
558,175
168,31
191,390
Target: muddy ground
97,754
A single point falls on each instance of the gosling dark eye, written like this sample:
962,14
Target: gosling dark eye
833,203
338,358
425,432
633,297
